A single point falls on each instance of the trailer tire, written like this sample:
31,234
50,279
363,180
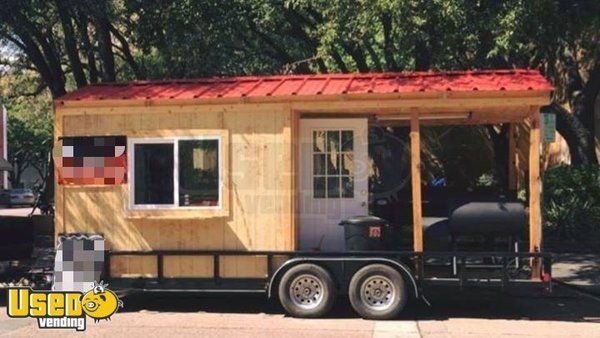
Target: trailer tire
377,291
307,290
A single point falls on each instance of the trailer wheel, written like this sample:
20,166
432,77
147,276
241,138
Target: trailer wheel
377,291
307,290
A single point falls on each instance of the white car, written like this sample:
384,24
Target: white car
22,197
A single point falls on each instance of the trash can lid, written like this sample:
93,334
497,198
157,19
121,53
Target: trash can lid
364,221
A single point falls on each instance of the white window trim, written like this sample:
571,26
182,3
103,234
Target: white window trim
131,142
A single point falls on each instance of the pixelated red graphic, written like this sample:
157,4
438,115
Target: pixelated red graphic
94,160
374,231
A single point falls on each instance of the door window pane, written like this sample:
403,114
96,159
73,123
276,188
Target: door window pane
333,141
153,171
198,173
347,187
347,140
319,164
333,164
347,164
319,141
333,187
319,187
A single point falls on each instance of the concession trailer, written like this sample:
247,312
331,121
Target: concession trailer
240,185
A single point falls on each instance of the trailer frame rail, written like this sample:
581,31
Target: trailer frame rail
415,263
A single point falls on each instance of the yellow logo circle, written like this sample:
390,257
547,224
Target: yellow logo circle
100,303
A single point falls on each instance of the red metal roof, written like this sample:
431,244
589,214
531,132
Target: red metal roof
322,84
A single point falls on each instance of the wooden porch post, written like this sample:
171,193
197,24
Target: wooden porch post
535,217
513,183
415,171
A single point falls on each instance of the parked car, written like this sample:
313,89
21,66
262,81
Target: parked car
22,197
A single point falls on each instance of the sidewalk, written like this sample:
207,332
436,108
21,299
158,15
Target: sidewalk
581,270
522,312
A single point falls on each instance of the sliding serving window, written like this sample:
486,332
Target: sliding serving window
175,173
153,173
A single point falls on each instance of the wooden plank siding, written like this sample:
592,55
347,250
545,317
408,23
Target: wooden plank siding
260,205
258,192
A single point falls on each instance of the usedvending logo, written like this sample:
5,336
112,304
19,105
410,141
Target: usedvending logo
63,310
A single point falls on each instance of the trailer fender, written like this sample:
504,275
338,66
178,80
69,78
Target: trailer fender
403,269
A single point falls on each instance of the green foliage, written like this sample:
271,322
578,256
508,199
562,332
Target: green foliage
71,43
448,151
486,180
572,201
29,125
176,39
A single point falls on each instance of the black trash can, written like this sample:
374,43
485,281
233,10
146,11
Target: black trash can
367,233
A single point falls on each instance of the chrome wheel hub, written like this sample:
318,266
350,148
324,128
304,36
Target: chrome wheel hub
378,292
306,291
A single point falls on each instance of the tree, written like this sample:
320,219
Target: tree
71,43
30,141
29,125
67,39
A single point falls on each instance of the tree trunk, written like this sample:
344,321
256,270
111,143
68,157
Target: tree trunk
297,22
56,85
37,49
422,56
279,52
358,56
374,56
388,47
105,47
128,57
576,134
14,176
339,62
87,46
71,44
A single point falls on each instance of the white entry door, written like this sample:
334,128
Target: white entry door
333,179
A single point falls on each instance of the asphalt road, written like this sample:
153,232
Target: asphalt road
523,312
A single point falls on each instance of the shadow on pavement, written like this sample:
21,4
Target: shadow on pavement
523,304
580,269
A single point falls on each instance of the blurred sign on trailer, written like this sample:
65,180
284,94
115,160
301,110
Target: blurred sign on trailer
549,127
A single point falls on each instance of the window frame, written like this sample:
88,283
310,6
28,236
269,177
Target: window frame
326,175
132,142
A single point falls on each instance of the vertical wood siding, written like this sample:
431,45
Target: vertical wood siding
260,179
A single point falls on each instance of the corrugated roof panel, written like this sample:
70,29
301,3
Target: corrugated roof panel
408,85
337,85
313,86
218,89
267,86
109,91
201,88
242,88
324,84
386,84
139,91
361,85
288,87
173,91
